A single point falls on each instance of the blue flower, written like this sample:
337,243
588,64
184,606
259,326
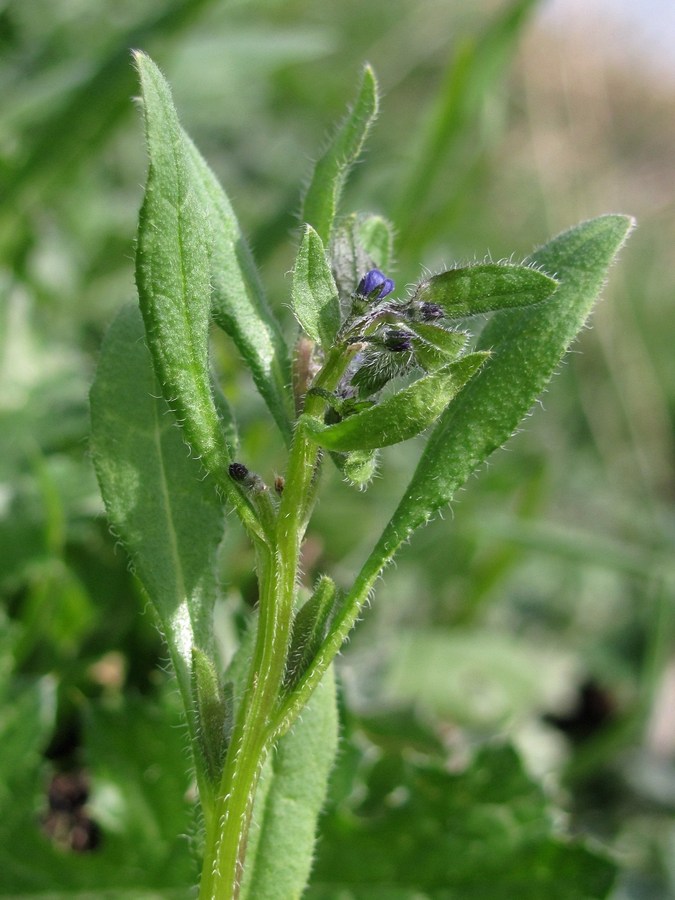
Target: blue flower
375,285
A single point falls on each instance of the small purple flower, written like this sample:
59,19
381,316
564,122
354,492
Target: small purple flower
375,285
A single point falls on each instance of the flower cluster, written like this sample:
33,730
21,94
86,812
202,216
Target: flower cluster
389,333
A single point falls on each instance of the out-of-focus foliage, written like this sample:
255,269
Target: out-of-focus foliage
541,613
426,831
131,812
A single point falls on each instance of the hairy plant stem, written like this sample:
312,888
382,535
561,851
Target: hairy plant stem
254,729
227,831
288,711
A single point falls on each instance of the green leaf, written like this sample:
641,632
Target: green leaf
436,345
141,789
314,294
401,416
293,791
429,670
358,467
377,367
360,243
28,710
173,272
139,801
405,826
238,303
86,114
310,626
526,347
454,137
168,516
375,235
330,173
211,712
485,288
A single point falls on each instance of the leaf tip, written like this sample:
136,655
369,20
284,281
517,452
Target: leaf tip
141,60
369,86
630,223
369,75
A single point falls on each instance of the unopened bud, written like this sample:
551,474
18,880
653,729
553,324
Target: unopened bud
397,341
431,311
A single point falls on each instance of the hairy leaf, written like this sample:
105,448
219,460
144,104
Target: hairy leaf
375,235
315,296
309,628
401,416
377,367
359,244
173,272
485,288
211,711
288,804
404,826
168,516
358,466
238,304
526,347
330,173
436,346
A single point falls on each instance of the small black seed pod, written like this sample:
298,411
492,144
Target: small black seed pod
238,472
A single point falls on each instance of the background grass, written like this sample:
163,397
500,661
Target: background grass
541,609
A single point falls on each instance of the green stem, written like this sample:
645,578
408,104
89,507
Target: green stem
278,565
227,831
287,712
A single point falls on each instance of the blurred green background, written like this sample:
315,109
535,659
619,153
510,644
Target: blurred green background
540,610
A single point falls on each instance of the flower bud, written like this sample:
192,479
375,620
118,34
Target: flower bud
374,285
431,311
397,341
